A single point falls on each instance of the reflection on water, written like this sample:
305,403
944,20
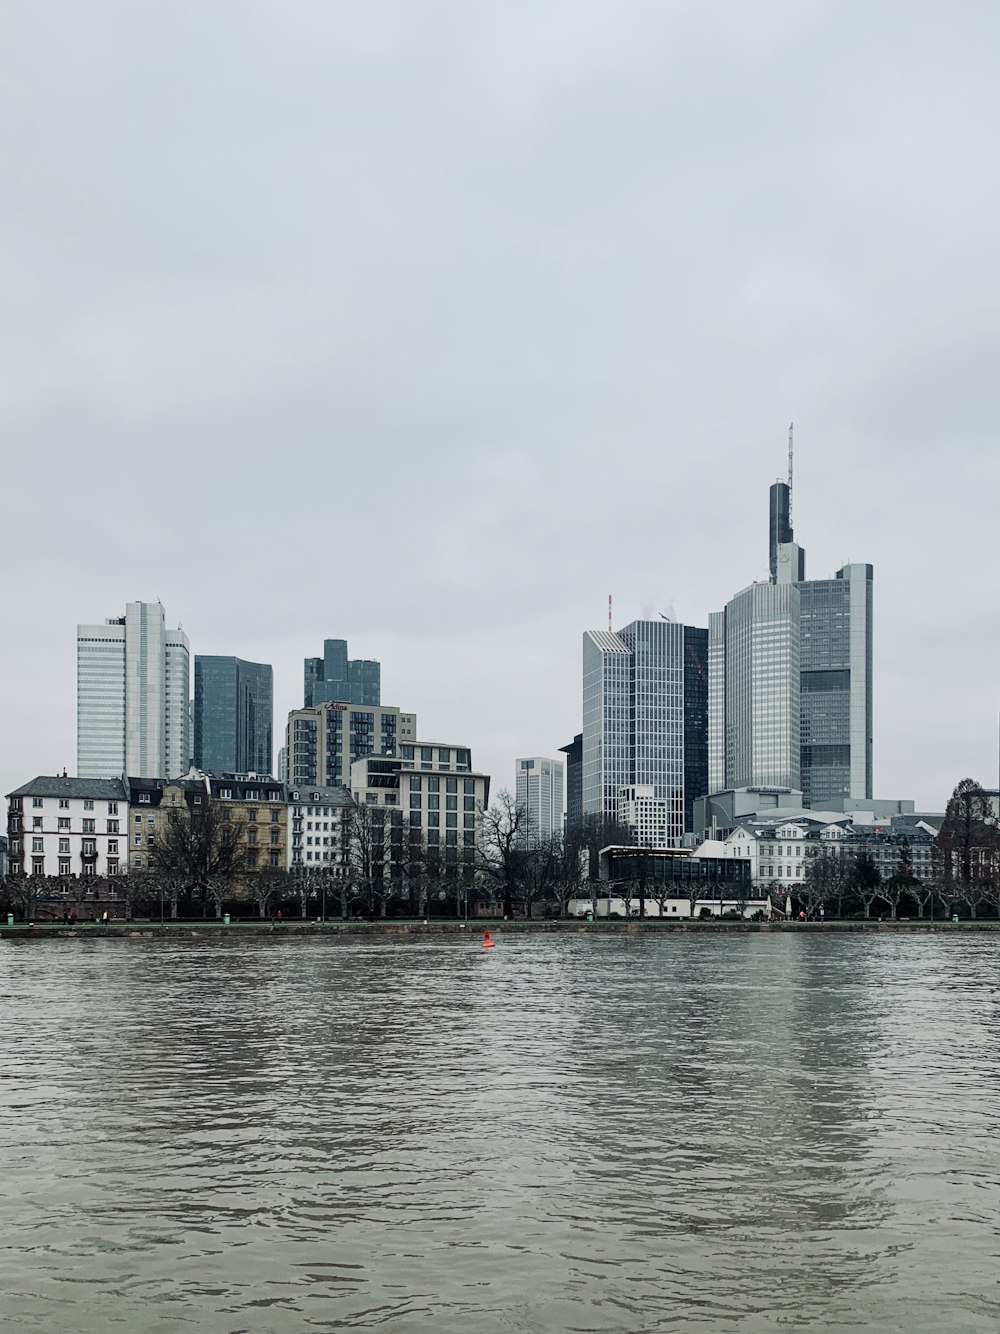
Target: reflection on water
731,1133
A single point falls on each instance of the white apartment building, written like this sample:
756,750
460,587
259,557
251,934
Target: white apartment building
68,827
539,784
133,696
320,819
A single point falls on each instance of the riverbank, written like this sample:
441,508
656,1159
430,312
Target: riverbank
393,928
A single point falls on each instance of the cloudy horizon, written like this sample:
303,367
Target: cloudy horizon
429,325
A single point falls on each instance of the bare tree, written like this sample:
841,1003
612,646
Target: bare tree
200,852
865,879
501,830
268,888
967,848
824,882
375,855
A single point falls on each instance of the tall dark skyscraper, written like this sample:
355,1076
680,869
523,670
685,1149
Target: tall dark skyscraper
337,678
233,708
574,780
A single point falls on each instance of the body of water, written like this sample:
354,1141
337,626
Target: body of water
568,1133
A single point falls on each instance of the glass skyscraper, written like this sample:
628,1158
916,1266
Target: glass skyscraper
233,707
335,677
645,718
133,696
790,678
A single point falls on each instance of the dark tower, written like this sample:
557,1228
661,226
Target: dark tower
780,528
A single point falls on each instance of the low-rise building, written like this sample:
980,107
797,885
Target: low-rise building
63,826
260,805
320,836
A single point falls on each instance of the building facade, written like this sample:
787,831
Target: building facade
233,706
321,829
754,717
538,789
322,742
645,723
790,677
335,677
68,827
133,686
574,780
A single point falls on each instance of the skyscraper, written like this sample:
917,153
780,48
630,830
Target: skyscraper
132,696
335,677
538,788
645,719
233,703
574,779
790,677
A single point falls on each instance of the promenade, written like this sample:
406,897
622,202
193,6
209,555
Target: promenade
393,928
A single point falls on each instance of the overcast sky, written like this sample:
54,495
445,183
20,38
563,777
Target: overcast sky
427,325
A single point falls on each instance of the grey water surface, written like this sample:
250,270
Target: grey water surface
679,1132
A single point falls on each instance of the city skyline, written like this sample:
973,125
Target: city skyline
550,358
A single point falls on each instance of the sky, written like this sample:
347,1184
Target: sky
431,324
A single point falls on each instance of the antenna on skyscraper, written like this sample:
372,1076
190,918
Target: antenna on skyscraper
791,426
609,611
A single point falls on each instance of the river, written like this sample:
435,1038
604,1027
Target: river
683,1132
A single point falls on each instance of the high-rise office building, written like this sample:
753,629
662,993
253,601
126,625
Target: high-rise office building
574,779
754,664
790,677
133,714
538,789
335,677
233,704
645,719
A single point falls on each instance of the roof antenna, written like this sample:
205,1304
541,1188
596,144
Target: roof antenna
609,613
791,427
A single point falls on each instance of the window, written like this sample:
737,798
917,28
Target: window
251,835
112,868
36,822
433,802
112,827
197,800
64,845
143,798
469,821
252,858
275,836
38,866
64,822
112,847
451,803
37,845
137,841
88,803
426,754
451,784
15,846
88,826
469,785
433,819
434,785
275,817
226,814
415,781
371,798
64,803
414,801
469,803
275,858
64,866
252,816
444,755
226,793
36,802
451,819
112,808
89,847
138,819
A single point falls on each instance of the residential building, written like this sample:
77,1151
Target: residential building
538,788
133,714
645,705
260,805
335,677
233,704
322,742
61,826
574,780
152,802
320,819
3,857
438,796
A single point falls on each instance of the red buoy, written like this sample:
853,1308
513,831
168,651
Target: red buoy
487,942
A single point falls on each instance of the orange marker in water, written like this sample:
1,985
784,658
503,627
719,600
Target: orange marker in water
487,942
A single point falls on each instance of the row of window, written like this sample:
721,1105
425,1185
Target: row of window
38,803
